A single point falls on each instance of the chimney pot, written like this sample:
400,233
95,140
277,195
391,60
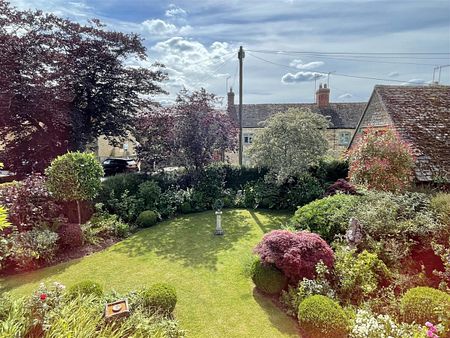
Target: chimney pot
323,96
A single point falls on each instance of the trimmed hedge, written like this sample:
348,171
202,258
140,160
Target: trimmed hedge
422,304
267,278
160,297
147,219
322,317
85,288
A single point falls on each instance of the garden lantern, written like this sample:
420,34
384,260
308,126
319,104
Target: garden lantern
117,309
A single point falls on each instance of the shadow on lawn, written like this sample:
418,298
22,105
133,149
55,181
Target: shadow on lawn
190,238
17,280
277,317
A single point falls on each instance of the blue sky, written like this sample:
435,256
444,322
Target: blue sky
198,41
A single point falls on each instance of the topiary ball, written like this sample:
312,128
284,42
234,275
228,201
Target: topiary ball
160,297
147,218
322,317
186,208
422,304
70,236
267,278
85,288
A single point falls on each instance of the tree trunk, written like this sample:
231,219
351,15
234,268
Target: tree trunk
79,212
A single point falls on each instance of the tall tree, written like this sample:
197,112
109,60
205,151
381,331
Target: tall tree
63,84
154,132
199,131
290,143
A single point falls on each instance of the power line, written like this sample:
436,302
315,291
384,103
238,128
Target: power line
334,73
212,73
358,60
362,54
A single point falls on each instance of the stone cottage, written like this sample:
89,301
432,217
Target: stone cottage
343,118
421,116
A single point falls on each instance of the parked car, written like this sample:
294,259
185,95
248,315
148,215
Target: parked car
112,166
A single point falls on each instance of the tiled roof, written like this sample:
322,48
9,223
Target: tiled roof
421,114
341,115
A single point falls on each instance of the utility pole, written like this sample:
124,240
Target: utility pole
241,55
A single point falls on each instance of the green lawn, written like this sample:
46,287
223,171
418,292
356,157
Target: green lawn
215,297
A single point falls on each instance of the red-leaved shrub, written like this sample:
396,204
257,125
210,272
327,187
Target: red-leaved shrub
295,253
70,236
341,186
30,204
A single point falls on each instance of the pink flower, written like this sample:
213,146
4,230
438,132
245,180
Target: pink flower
428,324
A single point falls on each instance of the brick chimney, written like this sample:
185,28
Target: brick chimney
230,98
323,96
231,108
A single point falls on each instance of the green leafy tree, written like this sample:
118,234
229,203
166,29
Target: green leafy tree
74,177
380,160
290,143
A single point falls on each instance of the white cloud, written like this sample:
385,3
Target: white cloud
290,78
297,63
160,28
393,74
191,64
175,11
415,82
345,96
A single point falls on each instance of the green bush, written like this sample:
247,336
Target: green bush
320,285
28,249
321,317
327,217
395,224
160,297
210,183
440,204
267,279
85,288
147,218
127,206
103,226
117,184
186,208
422,304
360,275
303,190
150,193
330,170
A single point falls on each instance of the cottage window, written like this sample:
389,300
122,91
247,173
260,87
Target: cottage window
248,138
344,138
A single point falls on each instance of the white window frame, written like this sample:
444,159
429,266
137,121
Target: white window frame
344,138
249,137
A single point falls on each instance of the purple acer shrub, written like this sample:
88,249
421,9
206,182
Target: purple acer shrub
295,253
341,186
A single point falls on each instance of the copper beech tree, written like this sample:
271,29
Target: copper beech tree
62,84
189,133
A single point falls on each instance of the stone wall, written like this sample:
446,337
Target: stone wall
104,149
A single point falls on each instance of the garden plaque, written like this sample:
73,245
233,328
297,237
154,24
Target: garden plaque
117,309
